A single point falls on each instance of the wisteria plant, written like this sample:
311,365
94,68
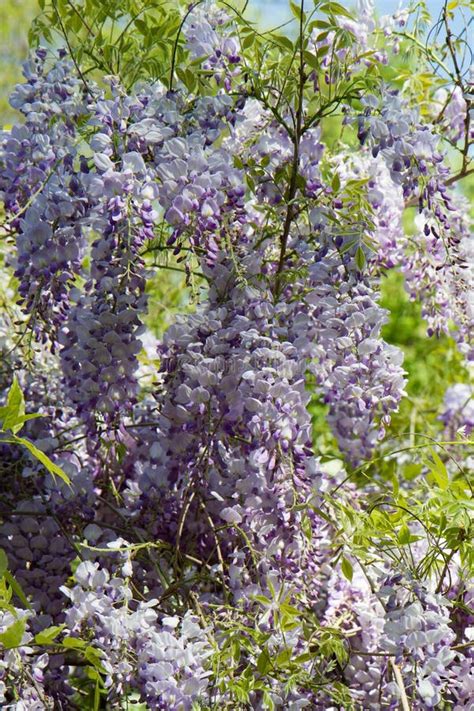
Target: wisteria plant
218,243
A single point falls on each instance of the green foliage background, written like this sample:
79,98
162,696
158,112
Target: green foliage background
15,19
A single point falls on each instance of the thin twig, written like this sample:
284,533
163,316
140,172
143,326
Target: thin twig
401,685
78,69
292,188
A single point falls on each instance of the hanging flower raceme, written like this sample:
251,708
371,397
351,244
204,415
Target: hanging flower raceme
234,432
101,341
21,668
438,269
418,625
458,413
43,197
210,37
441,273
338,325
164,657
451,110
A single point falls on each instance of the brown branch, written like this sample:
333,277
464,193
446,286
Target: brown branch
66,38
460,84
463,173
291,193
459,176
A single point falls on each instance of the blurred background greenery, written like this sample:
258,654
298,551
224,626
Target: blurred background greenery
15,20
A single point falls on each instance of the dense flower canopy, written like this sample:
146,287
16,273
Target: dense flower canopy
213,514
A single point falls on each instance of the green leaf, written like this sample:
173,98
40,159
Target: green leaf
333,8
17,589
13,635
283,41
311,59
13,412
74,643
290,610
188,78
404,535
296,10
412,470
347,569
142,27
97,696
264,600
287,623
263,662
322,51
283,658
41,457
94,656
336,182
340,652
235,650
248,40
3,563
360,258
75,23
268,701
438,470
25,418
320,24
49,634
305,657
6,595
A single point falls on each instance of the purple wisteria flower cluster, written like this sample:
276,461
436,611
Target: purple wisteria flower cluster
39,188
215,515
